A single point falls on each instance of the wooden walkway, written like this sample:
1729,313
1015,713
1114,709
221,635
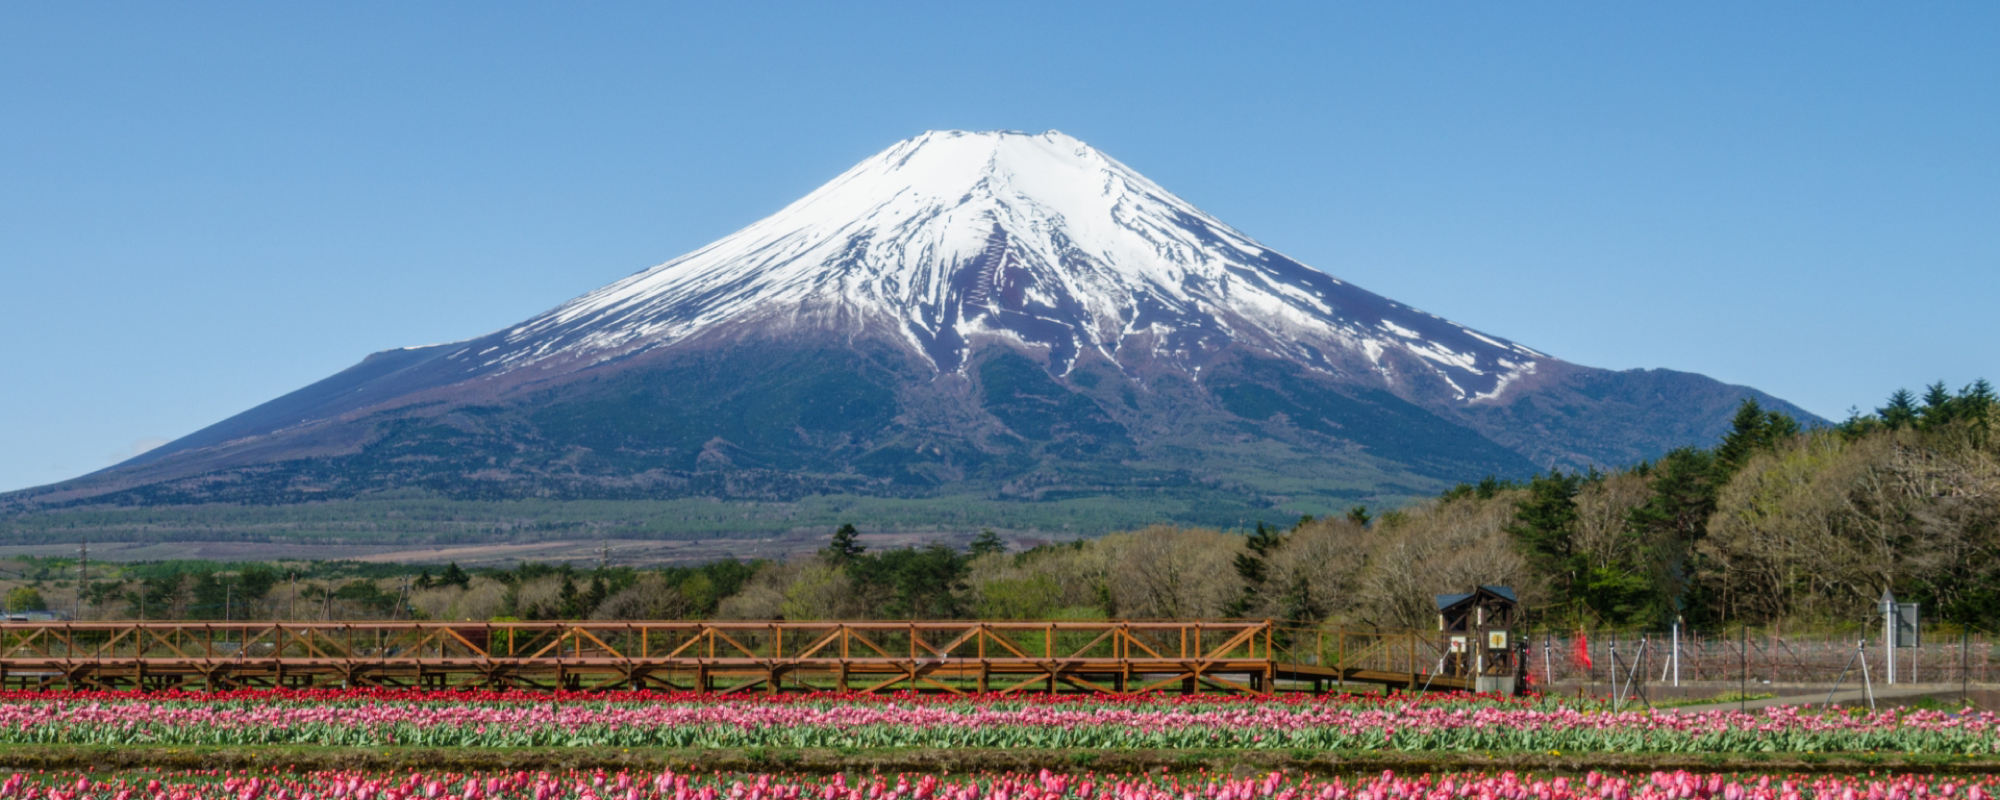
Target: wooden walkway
1110,657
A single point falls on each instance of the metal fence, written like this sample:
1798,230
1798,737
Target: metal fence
1942,656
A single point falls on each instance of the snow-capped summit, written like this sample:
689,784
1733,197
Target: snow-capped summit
1039,238
999,315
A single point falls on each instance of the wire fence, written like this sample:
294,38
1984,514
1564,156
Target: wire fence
1941,656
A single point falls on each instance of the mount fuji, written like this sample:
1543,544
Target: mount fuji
998,316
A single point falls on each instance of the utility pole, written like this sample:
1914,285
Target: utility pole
1743,672
295,596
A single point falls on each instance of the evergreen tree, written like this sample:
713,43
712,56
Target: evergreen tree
986,542
1752,431
453,576
1359,516
844,547
568,602
1251,567
1978,404
424,580
1939,407
1901,411
920,583
1545,528
593,596
1672,520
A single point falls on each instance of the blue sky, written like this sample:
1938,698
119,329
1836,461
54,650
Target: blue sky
203,206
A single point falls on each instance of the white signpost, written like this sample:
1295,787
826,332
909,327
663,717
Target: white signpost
1899,629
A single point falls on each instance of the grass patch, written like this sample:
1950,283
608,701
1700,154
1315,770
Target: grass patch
1725,697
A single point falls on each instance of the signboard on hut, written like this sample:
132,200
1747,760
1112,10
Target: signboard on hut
1479,626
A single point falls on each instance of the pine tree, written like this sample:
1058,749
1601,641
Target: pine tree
1940,408
1251,567
1977,405
568,603
1671,522
424,580
1753,430
844,547
1545,528
453,576
986,542
1901,411
1359,516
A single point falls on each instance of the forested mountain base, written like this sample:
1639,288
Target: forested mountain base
413,518
1775,524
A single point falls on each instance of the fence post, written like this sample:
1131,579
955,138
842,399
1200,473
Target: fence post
1340,644
1548,666
1889,635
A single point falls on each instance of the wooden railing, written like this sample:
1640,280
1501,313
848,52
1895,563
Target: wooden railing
703,656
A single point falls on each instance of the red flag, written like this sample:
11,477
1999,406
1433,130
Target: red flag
1581,654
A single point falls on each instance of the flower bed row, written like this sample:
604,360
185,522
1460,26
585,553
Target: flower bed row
968,724
350,785
527,697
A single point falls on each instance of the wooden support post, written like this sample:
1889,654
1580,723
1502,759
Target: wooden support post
1049,652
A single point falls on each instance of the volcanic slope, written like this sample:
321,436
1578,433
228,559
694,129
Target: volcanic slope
998,318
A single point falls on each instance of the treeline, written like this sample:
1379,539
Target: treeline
1774,524
1780,524
202,590
319,590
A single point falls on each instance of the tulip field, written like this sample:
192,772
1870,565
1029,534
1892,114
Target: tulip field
667,785
285,724
368,719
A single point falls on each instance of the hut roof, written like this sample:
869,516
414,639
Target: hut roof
1445,601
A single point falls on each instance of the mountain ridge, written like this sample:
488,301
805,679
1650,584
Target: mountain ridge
875,337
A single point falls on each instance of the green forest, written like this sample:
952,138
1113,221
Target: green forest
1774,524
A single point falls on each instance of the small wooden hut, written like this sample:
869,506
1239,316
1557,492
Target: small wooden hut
1480,627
